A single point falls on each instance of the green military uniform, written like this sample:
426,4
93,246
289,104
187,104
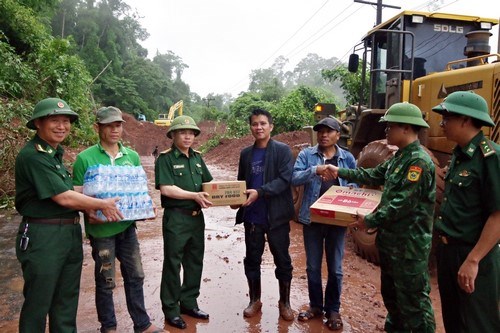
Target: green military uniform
472,193
183,229
471,196
49,241
52,262
404,222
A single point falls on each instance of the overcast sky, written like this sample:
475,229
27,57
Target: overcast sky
222,41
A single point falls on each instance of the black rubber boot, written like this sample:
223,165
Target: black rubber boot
284,303
255,304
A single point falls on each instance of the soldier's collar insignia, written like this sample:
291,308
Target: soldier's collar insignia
470,149
39,148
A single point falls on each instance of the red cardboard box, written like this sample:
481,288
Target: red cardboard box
339,204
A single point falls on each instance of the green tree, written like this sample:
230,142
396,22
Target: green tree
240,109
295,110
349,82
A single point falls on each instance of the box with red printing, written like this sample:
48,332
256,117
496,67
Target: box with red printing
225,193
339,204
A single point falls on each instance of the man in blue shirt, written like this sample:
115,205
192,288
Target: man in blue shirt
310,170
266,166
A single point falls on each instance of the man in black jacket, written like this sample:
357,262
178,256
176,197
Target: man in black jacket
267,168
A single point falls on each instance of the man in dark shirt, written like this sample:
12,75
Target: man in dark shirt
267,169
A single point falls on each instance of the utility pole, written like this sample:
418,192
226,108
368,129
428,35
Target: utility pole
207,100
380,6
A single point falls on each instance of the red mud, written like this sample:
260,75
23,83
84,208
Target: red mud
223,290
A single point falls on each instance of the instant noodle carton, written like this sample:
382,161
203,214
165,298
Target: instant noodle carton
340,204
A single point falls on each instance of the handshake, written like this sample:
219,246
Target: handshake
327,171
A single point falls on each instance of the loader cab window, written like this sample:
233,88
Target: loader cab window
437,42
428,45
379,78
386,57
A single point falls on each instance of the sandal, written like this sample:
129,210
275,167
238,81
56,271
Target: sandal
310,314
334,321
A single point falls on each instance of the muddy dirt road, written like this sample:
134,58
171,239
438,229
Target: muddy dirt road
223,290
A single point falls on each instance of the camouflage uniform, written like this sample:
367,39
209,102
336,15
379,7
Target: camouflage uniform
404,222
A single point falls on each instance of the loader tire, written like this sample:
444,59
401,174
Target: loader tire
297,195
297,191
372,155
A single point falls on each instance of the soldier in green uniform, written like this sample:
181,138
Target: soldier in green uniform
468,224
49,241
179,173
404,221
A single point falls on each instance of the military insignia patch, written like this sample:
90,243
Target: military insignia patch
414,173
39,147
487,148
178,166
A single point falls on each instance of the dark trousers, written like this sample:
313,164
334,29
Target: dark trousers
52,265
124,247
405,290
319,238
469,313
183,245
279,242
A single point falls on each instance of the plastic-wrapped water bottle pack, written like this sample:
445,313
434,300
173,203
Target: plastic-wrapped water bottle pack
129,183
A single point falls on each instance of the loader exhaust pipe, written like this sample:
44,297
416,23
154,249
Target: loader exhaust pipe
477,45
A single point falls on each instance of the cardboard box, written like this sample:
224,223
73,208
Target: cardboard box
339,204
225,193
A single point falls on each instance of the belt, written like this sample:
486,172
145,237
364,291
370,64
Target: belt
448,240
187,212
55,221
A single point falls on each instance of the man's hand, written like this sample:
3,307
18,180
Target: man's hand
327,171
252,196
467,275
201,199
359,223
92,216
110,211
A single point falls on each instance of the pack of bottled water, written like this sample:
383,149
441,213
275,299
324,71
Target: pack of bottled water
129,183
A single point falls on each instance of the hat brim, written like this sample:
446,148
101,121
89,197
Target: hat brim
464,111
404,120
196,130
317,127
112,120
73,117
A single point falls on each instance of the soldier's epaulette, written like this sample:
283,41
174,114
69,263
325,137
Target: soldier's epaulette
487,148
166,151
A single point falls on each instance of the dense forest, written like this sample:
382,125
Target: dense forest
89,53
